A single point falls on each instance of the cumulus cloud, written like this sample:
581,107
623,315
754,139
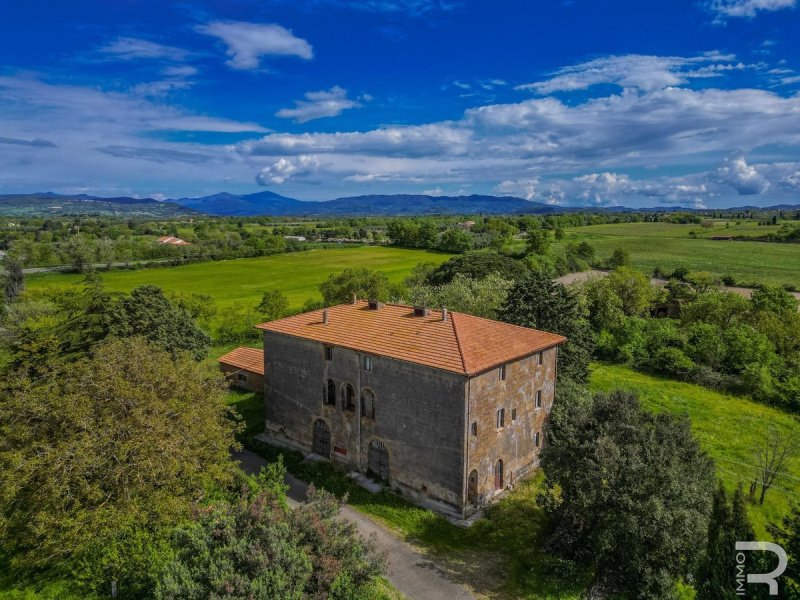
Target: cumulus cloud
325,103
284,169
635,71
248,42
747,8
744,178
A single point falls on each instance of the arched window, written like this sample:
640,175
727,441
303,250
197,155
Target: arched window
472,488
367,404
498,474
330,392
349,397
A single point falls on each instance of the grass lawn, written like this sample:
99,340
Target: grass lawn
233,282
669,246
729,428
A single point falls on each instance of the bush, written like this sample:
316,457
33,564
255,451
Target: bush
673,362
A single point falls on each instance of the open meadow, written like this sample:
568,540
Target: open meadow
244,280
669,246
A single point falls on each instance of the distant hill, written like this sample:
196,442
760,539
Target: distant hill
270,203
48,203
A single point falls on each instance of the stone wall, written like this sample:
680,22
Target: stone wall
514,443
419,413
243,379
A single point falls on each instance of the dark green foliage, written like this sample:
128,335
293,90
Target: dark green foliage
628,493
537,301
364,283
619,258
13,280
538,241
148,313
477,265
273,305
456,241
256,547
787,535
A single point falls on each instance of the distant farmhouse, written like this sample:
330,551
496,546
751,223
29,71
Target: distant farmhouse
446,407
173,241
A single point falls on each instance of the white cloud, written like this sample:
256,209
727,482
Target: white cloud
325,103
747,8
248,42
522,188
744,178
635,71
127,48
284,169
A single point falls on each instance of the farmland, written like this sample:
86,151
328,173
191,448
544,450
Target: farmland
242,281
669,246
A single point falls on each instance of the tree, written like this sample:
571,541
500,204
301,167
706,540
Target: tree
256,547
538,241
537,301
619,258
633,288
482,298
128,437
777,451
455,241
364,283
628,493
477,265
604,305
13,280
787,535
79,252
274,305
148,313
774,299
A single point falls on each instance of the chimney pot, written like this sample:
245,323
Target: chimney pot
355,298
325,317
444,313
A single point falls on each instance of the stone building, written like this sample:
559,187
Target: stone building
446,407
244,368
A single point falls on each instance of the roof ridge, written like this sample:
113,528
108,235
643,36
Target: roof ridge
458,342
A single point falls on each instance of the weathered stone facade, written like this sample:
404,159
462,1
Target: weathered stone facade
418,418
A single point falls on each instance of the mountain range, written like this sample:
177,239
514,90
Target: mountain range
268,203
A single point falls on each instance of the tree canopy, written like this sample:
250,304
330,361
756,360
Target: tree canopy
477,265
364,283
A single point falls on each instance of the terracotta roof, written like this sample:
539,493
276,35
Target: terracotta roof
247,359
462,344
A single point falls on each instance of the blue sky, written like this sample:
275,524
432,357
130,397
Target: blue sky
572,102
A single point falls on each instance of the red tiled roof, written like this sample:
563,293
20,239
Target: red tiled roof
247,359
462,344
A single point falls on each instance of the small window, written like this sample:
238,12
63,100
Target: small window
328,353
503,373
330,393
538,398
539,357
474,428
501,418
241,377
536,439
513,414
349,398
368,363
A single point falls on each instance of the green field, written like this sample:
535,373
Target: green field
668,246
243,280
729,427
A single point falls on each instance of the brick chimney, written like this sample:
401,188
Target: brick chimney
325,317
444,313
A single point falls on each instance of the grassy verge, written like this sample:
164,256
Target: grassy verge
730,428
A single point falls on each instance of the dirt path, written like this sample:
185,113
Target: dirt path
412,574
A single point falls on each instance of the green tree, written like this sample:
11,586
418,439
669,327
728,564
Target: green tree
482,298
633,288
477,265
148,313
619,258
364,283
455,241
787,535
79,252
538,241
604,305
628,493
274,305
128,437
256,547
537,301
12,278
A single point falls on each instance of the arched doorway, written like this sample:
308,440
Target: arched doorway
322,439
498,475
378,460
472,488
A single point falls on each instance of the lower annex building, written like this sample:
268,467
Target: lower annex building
446,407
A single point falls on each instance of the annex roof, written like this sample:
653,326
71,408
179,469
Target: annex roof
461,343
247,359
